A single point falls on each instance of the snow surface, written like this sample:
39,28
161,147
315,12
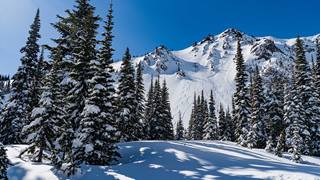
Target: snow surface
209,65
177,160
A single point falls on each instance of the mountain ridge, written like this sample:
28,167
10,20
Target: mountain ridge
208,64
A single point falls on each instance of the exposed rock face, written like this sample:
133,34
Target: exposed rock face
264,49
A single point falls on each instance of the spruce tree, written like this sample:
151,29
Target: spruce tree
105,58
191,127
4,162
106,51
166,112
149,109
83,24
297,140
304,95
241,100
46,118
97,128
23,99
273,106
211,124
281,144
317,67
314,102
157,130
179,129
198,120
128,125
139,100
257,135
222,123
229,131
233,124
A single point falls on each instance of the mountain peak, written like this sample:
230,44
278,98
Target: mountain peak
231,32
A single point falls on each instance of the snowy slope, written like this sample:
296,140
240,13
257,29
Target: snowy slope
209,64
178,160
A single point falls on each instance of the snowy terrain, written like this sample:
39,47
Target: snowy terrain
178,160
209,65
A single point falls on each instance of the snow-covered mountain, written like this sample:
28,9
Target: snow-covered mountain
209,64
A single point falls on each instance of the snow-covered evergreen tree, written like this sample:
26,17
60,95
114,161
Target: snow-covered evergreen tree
233,124
166,112
281,144
315,89
46,118
241,99
229,127
83,24
297,140
211,124
257,135
317,67
96,136
157,129
304,95
128,125
192,118
149,109
222,123
273,106
139,98
4,162
198,121
179,129
23,99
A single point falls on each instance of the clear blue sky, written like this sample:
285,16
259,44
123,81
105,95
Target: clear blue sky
144,24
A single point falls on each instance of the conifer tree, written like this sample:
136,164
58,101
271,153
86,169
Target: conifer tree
281,144
304,95
179,129
233,122
82,40
46,118
128,125
198,120
314,103
23,99
157,130
241,100
211,124
317,67
106,51
191,128
222,123
257,135
297,140
149,109
273,106
4,162
166,112
97,128
229,131
105,58
139,100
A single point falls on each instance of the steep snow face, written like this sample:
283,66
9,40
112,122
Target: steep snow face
209,65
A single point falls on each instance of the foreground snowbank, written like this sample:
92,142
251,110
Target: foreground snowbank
177,160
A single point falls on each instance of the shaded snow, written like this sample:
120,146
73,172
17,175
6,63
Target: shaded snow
178,160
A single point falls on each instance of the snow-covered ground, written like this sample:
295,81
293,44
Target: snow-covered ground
178,160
